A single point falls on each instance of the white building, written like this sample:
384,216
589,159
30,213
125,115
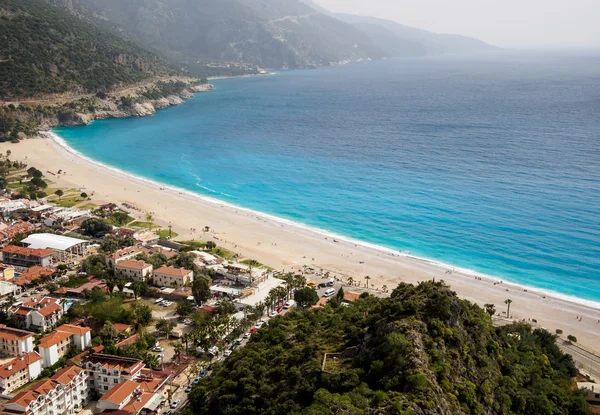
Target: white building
134,270
65,393
172,277
15,342
123,255
64,248
128,397
39,314
62,340
20,371
105,371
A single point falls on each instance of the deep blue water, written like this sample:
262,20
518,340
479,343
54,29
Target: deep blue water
489,163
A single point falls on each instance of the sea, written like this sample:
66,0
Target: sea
489,163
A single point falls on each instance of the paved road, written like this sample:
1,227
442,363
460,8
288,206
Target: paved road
585,360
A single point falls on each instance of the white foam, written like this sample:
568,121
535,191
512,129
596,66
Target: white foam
328,234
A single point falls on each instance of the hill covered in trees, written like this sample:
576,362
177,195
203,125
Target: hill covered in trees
46,49
421,351
269,33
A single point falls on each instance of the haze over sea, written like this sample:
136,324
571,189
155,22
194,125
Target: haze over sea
490,163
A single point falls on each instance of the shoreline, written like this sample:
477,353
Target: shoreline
287,245
328,234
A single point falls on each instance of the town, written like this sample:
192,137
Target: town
101,311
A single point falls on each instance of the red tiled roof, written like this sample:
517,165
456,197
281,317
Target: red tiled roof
351,296
122,327
9,333
175,272
63,377
32,274
49,309
67,374
54,338
20,227
18,363
118,393
13,249
129,340
70,328
133,264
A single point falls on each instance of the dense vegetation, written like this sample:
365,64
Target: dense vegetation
421,351
46,49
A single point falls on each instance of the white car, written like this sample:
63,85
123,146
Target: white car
158,349
329,292
273,313
159,300
247,335
289,304
227,353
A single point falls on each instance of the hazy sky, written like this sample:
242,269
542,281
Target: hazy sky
508,23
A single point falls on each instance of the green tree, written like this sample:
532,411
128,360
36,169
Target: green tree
201,290
306,297
490,309
108,333
164,326
184,308
508,302
84,195
94,226
59,193
572,338
178,349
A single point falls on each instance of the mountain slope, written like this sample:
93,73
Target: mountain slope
396,40
433,43
270,33
423,351
45,50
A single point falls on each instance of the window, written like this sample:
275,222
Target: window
116,380
106,379
106,388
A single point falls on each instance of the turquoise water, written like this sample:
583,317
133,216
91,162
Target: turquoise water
488,163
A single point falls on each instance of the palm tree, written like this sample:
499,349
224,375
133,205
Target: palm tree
178,349
260,309
149,219
136,287
187,338
367,278
508,302
490,309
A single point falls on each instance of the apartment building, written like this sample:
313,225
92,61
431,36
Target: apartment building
122,255
20,371
128,397
39,314
15,342
58,343
134,270
65,393
104,371
172,277
26,257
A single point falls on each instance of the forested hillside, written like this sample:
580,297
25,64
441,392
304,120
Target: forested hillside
422,351
46,49
269,33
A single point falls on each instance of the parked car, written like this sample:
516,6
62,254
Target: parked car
158,349
273,313
188,389
26,294
321,285
247,335
188,321
238,341
196,380
329,292
234,346
203,373
227,353
175,404
252,331
289,304
159,300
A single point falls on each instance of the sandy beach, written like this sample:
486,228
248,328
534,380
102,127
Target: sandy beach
285,246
